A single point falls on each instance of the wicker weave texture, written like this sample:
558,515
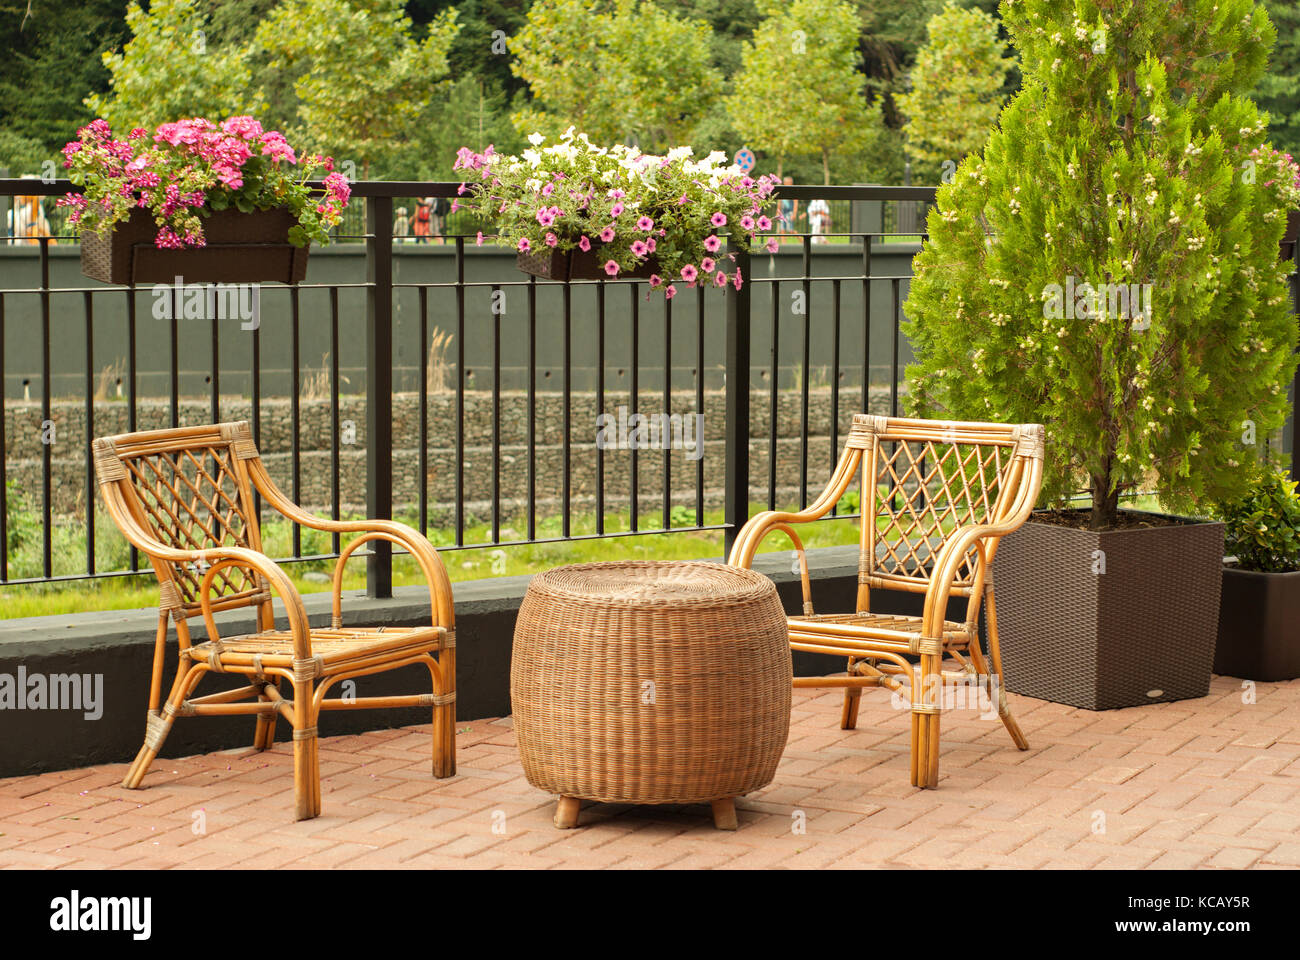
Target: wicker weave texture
651,682
1142,631
239,248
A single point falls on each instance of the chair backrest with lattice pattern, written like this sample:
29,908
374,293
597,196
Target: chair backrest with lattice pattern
188,489
924,479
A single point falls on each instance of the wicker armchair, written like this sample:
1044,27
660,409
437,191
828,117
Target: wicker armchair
941,495
184,498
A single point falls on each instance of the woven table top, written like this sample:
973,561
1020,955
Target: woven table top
649,583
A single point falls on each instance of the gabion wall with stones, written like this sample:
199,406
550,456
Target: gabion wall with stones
23,449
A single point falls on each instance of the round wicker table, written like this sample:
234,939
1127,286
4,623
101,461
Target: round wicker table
650,682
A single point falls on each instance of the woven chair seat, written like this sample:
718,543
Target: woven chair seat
333,647
954,634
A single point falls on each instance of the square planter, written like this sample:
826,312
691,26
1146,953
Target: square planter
240,248
1101,620
1259,625
578,265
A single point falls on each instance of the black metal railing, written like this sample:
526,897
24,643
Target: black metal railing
835,284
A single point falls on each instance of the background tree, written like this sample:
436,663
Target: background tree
1278,90
1125,160
363,79
627,70
799,92
52,61
172,68
956,90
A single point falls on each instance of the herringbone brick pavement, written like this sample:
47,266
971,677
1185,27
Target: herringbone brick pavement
1213,782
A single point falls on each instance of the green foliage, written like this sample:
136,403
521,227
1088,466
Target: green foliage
1124,161
1262,528
621,70
21,155
362,78
956,91
169,69
799,92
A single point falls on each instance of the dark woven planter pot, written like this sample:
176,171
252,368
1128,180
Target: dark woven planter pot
240,248
1291,235
578,265
1259,625
1142,631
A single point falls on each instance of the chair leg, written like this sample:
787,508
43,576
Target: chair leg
925,724
158,724
566,812
443,671
306,755
852,697
995,654
264,733
724,813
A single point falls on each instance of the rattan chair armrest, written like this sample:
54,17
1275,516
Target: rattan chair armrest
216,558
948,561
744,557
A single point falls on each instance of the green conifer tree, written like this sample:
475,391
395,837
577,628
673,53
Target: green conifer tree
1132,160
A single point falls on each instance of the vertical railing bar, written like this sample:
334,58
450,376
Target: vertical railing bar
866,323
335,418
88,312
774,399
893,367
634,387
257,399
699,405
600,406
214,401
379,389
737,366
47,452
295,411
174,343
460,390
567,438
667,522
133,553
532,408
496,424
804,399
423,455
835,379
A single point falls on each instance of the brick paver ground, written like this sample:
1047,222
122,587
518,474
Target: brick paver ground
1213,782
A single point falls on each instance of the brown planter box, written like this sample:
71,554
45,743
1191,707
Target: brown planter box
1259,625
241,248
1143,631
578,265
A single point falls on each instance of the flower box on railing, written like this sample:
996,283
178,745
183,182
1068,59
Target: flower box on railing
551,264
239,248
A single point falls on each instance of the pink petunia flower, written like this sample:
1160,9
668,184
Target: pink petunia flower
524,245
747,222
639,249
719,219
616,209
736,279
652,243
772,245
611,268
669,292
607,235
656,280
720,279
712,243
764,223
551,239
707,264
479,239
646,224
584,244
689,273
545,217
